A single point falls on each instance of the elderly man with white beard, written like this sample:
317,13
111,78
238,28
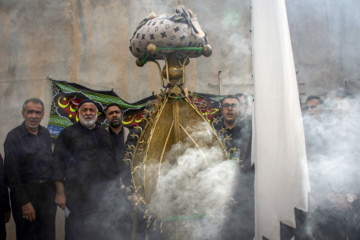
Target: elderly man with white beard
85,170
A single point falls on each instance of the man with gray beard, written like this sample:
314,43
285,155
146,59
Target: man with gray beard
86,177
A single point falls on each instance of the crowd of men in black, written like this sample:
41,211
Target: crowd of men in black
85,173
80,175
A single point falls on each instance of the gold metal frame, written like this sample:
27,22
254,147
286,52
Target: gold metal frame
165,127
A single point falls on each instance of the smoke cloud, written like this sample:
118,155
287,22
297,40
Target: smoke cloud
197,188
333,161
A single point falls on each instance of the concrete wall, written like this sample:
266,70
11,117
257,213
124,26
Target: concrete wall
86,41
325,42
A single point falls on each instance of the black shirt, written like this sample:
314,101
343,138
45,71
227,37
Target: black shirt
4,195
84,155
119,144
239,138
28,159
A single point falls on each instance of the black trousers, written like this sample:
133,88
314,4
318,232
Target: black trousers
98,210
42,197
2,225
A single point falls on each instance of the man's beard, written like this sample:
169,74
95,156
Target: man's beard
87,123
116,124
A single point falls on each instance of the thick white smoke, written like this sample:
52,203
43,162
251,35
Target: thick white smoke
333,160
196,188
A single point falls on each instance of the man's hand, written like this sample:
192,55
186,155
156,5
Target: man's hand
7,216
60,200
28,212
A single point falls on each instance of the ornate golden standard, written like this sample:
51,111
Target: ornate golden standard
178,167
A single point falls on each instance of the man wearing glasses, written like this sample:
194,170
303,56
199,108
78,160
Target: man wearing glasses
235,126
313,106
234,129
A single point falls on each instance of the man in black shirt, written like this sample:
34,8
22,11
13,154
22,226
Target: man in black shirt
117,131
234,129
235,132
4,202
28,168
86,174
119,135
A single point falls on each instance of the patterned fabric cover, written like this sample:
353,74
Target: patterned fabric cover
180,30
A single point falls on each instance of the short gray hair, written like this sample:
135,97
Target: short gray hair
33,100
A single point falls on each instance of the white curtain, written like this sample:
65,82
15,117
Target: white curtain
281,181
